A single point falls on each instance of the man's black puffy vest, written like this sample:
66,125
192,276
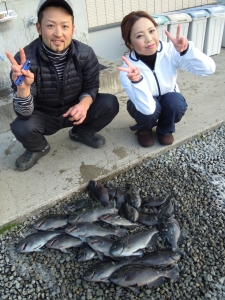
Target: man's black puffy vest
81,75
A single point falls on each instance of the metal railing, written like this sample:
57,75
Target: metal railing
104,12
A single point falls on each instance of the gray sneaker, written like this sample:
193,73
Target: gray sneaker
28,159
93,140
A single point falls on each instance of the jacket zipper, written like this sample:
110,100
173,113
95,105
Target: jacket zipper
153,71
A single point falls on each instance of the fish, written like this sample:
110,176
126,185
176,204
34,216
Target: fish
101,272
147,218
85,229
134,275
35,241
75,205
51,222
98,192
170,231
63,242
86,253
165,209
120,197
92,214
152,201
111,189
129,212
133,243
117,220
100,244
162,258
132,195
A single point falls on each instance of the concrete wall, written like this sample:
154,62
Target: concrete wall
18,33
108,43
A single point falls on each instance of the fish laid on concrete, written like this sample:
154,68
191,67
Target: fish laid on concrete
134,275
51,222
152,201
165,209
34,241
98,192
129,212
93,214
170,231
117,220
86,229
147,218
63,242
100,244
133,243
162,258
132,195
86,253
102,271
75,205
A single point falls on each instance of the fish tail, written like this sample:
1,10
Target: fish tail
120,232
177,250
173,273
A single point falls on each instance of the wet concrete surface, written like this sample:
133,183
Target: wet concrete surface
69,166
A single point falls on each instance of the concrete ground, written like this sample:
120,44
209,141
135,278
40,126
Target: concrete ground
69,166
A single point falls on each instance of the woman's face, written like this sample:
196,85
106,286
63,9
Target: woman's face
144,37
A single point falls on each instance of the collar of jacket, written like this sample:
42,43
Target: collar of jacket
133,57
43,54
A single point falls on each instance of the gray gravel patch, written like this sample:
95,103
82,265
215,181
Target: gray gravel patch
194,174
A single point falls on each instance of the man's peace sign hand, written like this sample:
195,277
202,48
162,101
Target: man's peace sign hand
17,70
180,43
132,73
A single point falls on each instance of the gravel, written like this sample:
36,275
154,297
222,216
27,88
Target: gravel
194,174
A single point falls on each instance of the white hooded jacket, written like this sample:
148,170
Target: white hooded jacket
163,78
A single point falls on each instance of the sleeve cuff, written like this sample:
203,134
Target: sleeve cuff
84,95
141,78
185,51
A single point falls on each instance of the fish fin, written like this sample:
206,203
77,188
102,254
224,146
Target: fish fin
155,210
177,250
156,283
173,273
181,238
121,232
83,239
100,256
134,290
63,250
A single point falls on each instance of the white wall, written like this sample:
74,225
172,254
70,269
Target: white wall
17,33
108,43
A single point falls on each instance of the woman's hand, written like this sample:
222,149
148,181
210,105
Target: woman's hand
132,73
180,43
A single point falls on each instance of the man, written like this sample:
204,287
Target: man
60,89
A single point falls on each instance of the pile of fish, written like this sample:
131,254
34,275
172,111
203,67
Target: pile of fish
119,226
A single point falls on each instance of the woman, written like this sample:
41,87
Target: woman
149,75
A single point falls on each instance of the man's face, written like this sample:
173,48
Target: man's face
56,28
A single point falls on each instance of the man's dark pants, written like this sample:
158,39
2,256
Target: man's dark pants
30,132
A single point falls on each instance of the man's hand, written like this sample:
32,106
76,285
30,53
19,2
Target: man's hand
23,91
78,112
132,73
180,43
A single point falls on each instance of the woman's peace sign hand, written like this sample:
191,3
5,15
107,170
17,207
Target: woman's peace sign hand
180,43
132,73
